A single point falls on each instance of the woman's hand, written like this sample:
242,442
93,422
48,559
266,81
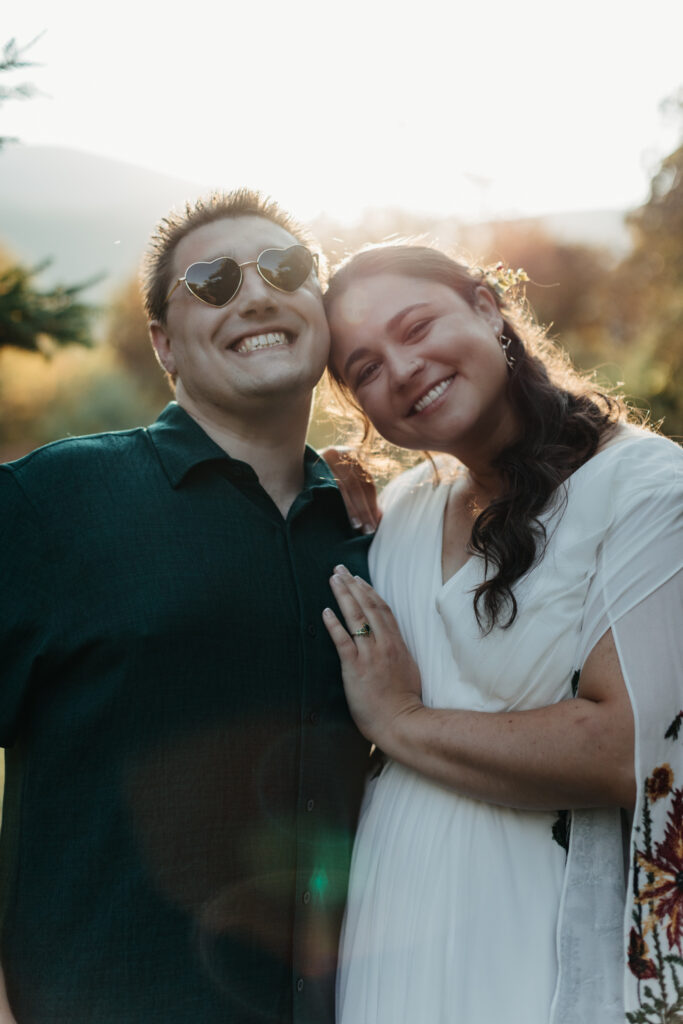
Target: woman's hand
381,680
357,488
577,753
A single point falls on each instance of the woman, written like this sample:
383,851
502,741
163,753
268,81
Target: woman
537,591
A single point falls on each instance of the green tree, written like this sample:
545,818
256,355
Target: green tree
644,305
31,318
12,60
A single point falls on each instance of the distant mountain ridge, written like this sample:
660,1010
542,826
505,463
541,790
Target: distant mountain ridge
90,215
93,215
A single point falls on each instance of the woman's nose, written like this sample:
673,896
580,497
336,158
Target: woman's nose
405,366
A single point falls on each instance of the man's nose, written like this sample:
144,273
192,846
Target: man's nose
255,294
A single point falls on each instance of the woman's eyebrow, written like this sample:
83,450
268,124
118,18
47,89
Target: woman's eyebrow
396,320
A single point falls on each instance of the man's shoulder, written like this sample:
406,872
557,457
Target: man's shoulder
62,463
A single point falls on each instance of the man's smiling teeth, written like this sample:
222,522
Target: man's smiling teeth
432,395
262,341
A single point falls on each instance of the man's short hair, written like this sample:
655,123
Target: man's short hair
242,202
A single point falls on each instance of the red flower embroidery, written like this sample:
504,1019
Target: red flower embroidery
660,782
638,960
665,891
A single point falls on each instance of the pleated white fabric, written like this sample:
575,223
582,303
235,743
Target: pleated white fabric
461,912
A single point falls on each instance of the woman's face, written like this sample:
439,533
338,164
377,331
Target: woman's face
426,367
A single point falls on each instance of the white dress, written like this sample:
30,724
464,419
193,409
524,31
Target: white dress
462,912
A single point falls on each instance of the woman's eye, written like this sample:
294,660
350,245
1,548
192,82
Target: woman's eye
416,330
366,373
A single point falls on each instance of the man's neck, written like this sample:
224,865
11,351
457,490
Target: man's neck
272,444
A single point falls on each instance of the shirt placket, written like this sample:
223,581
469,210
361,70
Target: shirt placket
310,881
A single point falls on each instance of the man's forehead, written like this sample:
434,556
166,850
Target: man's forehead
240,237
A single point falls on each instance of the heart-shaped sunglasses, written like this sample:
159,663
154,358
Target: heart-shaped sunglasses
218,282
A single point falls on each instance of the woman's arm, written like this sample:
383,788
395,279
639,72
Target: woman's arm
357,488
6,1015
577,753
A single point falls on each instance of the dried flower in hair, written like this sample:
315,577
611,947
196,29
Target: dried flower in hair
501,278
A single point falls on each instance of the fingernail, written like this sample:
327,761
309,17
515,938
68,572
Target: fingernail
355,523
368,528
342,570
327,613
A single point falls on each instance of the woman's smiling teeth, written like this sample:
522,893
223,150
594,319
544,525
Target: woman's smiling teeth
432,395
256,341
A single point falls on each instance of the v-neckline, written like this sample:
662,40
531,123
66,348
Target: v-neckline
443,582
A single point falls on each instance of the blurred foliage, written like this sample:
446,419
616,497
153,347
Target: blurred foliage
36,320
565,281
13,59
126,333
625,319
644,300
76,391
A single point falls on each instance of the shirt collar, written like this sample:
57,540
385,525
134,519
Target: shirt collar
181,444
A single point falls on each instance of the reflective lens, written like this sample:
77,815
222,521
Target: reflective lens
286,269
218,282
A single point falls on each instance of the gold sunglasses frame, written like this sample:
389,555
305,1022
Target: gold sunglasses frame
315,265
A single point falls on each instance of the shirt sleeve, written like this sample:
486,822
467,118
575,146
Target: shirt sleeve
23,599
642,546
606,951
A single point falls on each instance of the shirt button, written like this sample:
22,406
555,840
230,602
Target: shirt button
310,804
306,897
300,985
312,631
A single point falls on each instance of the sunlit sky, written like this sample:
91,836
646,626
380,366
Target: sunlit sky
475,108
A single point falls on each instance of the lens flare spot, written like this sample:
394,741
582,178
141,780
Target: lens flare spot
319,884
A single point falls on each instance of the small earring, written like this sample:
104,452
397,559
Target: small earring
505,343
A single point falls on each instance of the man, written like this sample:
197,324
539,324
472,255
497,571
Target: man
183,777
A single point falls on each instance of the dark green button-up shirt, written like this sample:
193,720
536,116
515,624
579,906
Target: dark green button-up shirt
183,777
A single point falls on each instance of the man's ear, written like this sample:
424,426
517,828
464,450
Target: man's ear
161,343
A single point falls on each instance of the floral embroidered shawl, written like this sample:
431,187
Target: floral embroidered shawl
620,932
